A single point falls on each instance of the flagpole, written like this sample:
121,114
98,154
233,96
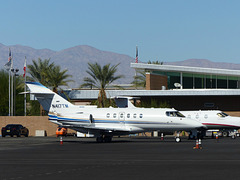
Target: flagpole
136,61
8,67
25,95
9,92
12,89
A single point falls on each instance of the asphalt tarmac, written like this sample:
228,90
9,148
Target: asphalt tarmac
125,158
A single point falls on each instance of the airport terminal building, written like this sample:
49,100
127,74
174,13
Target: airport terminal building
182,87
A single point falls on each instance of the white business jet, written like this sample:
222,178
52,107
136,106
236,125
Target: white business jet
215,119
104,123
211,119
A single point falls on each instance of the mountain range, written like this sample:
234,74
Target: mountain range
76,59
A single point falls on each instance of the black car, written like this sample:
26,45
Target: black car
15,129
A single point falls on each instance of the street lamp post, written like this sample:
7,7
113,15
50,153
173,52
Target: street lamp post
14,74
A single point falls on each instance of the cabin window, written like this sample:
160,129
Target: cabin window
189,116
108,115
225,114
134,115
128,115
197,116
174,114
140,115
222,114
121,115
205,116
114,115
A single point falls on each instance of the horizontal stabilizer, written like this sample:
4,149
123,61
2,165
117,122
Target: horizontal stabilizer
50,101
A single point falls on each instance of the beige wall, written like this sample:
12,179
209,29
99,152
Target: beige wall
33,123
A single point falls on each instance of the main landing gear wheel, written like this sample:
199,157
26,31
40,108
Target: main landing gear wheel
105,139
99,139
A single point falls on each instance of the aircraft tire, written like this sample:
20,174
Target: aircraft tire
107,139
178,139
99,139
225,133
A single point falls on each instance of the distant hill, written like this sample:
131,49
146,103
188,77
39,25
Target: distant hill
75,59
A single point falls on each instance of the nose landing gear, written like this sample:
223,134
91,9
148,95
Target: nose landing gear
178,139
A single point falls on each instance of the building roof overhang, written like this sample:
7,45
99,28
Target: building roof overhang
186,69
93,94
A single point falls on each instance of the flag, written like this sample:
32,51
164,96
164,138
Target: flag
25,67
136,55
10,55
8,65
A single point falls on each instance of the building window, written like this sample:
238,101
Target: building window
209,105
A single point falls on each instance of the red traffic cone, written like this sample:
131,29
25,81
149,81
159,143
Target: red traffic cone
162,138
61,140
200,143
197,145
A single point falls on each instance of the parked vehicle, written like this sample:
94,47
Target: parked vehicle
14,129
61,131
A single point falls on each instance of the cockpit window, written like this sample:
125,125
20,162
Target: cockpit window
174,114
222,114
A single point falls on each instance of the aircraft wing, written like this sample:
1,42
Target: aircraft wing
102,130
99,130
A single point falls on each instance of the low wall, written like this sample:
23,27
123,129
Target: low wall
33,123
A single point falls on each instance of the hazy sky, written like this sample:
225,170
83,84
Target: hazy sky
164,30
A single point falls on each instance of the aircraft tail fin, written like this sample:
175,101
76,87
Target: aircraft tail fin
50,101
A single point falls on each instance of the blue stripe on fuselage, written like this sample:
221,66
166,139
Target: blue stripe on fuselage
53,117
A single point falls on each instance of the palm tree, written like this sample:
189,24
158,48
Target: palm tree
57,78
155,62
101,78
39,69
47,74
139,79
